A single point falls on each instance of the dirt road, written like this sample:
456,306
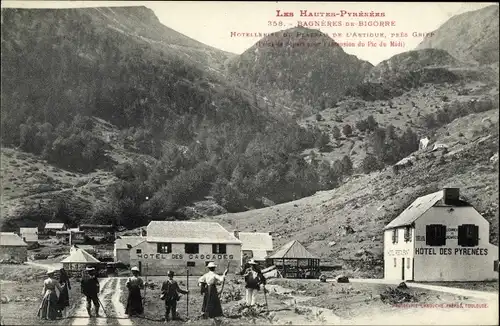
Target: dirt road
52,266
114,312
481,308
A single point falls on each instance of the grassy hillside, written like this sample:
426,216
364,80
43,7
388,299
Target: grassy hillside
471,36
110,84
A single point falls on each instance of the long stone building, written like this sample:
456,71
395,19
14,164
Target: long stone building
178,245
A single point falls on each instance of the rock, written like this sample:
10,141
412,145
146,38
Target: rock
402,285
342,279
4,299
332,243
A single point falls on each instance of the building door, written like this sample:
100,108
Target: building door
403,269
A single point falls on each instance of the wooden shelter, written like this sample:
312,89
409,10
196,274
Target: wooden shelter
78,260
294,261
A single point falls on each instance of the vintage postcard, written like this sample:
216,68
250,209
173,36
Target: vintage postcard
240,163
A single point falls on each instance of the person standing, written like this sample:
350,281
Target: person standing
170,293
48,308
253,280
66,286
211,303
134,301
90,288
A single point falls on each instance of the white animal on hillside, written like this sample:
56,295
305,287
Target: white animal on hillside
424,142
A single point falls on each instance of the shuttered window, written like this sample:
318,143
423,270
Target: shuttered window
408,234
395,234
218,248
468,235
164,248
435,235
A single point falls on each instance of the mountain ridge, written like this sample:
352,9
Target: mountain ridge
465,39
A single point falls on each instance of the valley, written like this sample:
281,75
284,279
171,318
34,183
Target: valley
118,119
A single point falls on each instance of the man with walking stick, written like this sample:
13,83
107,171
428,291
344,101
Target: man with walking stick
90,288
170,293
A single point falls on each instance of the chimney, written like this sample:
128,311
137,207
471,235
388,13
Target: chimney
451,195
237,234
143,233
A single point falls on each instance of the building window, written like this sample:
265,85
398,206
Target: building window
408,234
218,248
435,235
138,251
191,248
395,262
495,266
395,236
164,248
468,235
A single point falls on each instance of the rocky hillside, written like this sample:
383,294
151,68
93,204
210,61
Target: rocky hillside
410,61
301,66
345,225
471,36
112,92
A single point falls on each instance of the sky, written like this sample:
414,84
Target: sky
215,23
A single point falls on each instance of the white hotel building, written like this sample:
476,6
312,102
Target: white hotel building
439,238
178,245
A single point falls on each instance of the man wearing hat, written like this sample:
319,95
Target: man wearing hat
253,280
134,285
211,303
90,288
170,293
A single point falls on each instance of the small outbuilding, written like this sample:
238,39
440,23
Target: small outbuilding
51,228
255,245
12,248
293,260
29,234
123,245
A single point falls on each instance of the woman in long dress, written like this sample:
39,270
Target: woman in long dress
134,301
211,307
66,286
49,308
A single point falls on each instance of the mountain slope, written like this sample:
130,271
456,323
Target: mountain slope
100,90
299,65
345,225
471,36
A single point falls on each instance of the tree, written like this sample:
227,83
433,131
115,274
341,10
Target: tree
362,125
370,164
336,132
347,166
322,142
371,122
347,130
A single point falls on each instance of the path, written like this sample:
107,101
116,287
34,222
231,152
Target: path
47,266
485,314
114,313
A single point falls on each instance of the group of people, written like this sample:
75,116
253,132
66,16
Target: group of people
53,304
211,306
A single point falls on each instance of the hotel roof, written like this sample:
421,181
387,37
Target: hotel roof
189,232
123,241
